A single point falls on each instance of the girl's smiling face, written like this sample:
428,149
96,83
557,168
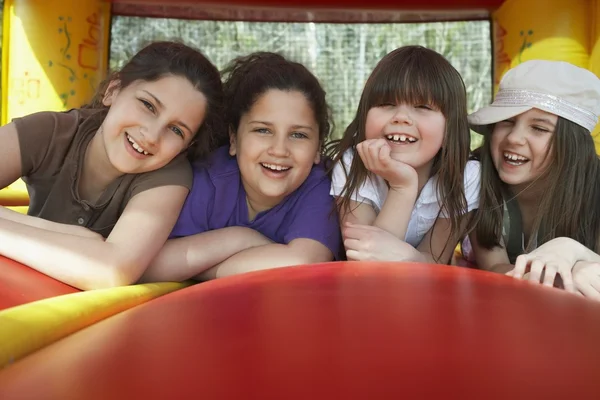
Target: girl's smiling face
520,146
276,144
149,123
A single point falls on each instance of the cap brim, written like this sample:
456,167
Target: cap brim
481,121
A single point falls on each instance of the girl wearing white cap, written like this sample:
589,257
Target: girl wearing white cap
402,178
539,209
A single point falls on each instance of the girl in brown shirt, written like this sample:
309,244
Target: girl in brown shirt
107,181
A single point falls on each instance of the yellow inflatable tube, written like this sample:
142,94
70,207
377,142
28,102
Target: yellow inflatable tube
29,327
54,54
14,195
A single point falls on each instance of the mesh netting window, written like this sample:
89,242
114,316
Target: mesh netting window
340,55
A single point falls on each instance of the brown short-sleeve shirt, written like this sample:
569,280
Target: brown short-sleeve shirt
52,148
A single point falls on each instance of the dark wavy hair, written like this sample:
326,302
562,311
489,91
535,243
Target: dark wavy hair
160,59
249,77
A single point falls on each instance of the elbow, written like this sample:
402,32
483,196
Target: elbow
305,258
114,273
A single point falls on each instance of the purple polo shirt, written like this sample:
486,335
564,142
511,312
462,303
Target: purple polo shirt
218,200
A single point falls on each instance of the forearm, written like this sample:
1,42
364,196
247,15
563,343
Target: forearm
501,268
584,254
86,263
396,211
264,257
41,223
186,257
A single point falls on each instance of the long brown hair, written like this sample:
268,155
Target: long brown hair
415,75
570,200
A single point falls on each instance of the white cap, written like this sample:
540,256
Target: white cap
556,87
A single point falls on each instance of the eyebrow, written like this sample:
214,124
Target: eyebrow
543,120
161,105
310,128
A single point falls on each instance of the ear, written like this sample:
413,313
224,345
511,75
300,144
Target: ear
232,143
111,92
318,156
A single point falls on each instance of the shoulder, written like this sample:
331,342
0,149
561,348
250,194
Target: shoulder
46,137
63,123
318,176
218,164
176,173
472,170
217,169
472,177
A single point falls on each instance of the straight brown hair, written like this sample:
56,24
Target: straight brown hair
415,75
570,200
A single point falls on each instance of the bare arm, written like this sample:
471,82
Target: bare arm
41,223
88,263
493,260
438,245
297,252
186,257
10,154
393,217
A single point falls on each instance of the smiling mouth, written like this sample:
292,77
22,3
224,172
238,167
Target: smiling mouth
400,138
275,167
136,146
514,159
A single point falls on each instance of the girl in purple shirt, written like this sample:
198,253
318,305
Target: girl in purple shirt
263,201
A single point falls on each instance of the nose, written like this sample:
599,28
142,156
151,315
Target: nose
279,146
402,115
516,135
150,134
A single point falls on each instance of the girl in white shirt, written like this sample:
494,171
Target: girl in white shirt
409,194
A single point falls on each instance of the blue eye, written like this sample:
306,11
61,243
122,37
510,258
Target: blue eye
147,104
177,131
299,135
261,130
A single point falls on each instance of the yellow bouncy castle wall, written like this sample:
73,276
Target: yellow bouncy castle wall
54,54
565,30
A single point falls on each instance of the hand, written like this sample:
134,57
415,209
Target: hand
376,155
587,279
369,243
558,256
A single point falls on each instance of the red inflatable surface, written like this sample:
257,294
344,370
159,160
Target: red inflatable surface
20,284
331,331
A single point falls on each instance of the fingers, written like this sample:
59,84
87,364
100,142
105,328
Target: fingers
351,244
356,231
353,255
369,150
521,264
589,291
567,280
550,275
537,267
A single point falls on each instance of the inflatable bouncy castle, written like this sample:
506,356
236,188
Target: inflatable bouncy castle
338,330
55,52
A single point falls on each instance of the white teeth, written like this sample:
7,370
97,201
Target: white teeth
136,146
275,167
401,138
514,157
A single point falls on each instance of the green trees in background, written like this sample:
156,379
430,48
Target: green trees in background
341,55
